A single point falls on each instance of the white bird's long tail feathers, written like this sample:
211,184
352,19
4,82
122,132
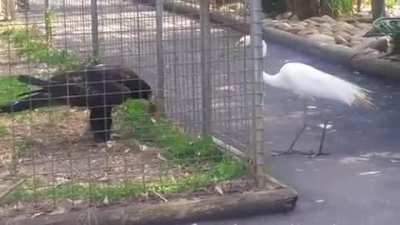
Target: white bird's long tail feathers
363,100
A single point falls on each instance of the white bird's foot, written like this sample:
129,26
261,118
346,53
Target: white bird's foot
316,154
292,152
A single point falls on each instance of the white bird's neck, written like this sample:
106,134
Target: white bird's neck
272,80
264,49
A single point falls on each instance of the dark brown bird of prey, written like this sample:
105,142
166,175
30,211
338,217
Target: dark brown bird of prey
98,88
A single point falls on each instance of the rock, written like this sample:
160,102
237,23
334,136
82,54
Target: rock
285,15
362,25
322,38
311,22
341,25
323,19
381,44
269,21
296,28
283,26
302,23
307,31
325,26
294,18
341,40
344,35
355,44
326,31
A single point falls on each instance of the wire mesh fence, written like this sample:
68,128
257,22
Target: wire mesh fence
55,107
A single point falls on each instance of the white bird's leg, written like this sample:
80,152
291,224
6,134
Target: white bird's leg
290,150
321,143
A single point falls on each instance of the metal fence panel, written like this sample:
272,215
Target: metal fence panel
205,83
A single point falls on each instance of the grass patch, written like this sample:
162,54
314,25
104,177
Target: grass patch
179,146
23,147
3,130
114,192
10,88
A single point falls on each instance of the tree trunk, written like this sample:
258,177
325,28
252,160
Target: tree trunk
325,8
9,9
378,8
396,47
359,5
219,3
304,8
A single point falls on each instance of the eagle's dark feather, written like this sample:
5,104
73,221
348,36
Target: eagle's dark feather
98,88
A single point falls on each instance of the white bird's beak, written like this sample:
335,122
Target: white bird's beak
240,43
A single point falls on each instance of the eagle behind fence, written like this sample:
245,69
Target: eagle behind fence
98,88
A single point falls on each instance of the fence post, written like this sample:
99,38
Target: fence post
206,91
95,28
160,56
48,20
257,119
9,9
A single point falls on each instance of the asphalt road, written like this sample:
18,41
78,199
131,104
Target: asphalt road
359,183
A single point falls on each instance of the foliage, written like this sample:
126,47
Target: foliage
274,6
390,3
30,44
179,146
3,130
10,88
387,26
49,17
341,7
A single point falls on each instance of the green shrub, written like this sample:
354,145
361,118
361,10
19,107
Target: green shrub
341,7
274,6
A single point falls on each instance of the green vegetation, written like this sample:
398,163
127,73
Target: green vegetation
181,147
391,3
114,192
341,7
32,45
49,18
274,6
10,88
23,147
3,130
